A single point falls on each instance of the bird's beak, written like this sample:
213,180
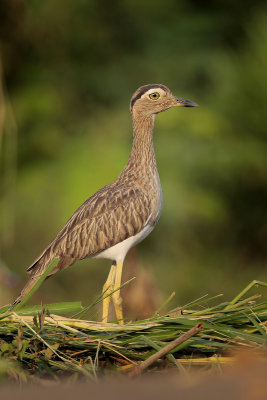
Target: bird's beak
184,103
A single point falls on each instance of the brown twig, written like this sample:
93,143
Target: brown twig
137,370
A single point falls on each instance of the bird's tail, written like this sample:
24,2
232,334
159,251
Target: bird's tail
37,269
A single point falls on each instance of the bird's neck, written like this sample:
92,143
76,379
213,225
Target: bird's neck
143,150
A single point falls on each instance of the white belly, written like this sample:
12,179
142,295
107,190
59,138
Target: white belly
119,251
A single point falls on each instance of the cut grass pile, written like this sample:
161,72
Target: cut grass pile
38,343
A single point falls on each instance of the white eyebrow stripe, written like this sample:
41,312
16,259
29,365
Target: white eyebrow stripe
153,90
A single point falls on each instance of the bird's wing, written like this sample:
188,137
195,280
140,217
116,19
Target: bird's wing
108,217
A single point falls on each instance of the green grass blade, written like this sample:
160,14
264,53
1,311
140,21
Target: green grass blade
100,298
244,291
164,304
36,286
53,308
257,325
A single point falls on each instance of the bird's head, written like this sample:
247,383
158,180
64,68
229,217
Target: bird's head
152,99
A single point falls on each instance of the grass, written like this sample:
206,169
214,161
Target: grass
38,343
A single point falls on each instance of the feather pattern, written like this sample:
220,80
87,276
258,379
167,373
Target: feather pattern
121,210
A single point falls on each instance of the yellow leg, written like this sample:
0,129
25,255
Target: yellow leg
116,298
108,288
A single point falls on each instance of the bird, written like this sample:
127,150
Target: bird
122,213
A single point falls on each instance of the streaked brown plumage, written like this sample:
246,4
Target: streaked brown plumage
127,207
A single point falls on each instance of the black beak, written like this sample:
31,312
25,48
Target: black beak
185,103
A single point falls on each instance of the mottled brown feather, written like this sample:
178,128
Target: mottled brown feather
108,217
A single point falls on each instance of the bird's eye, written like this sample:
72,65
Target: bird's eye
154,96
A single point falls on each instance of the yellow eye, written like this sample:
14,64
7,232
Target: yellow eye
154,96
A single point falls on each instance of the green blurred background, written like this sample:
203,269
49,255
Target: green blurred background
69,69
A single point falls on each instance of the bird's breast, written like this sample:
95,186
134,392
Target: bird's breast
156,197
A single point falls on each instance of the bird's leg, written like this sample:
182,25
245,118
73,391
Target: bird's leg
117,301
107,289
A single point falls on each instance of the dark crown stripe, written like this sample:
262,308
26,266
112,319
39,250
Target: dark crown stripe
143,89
